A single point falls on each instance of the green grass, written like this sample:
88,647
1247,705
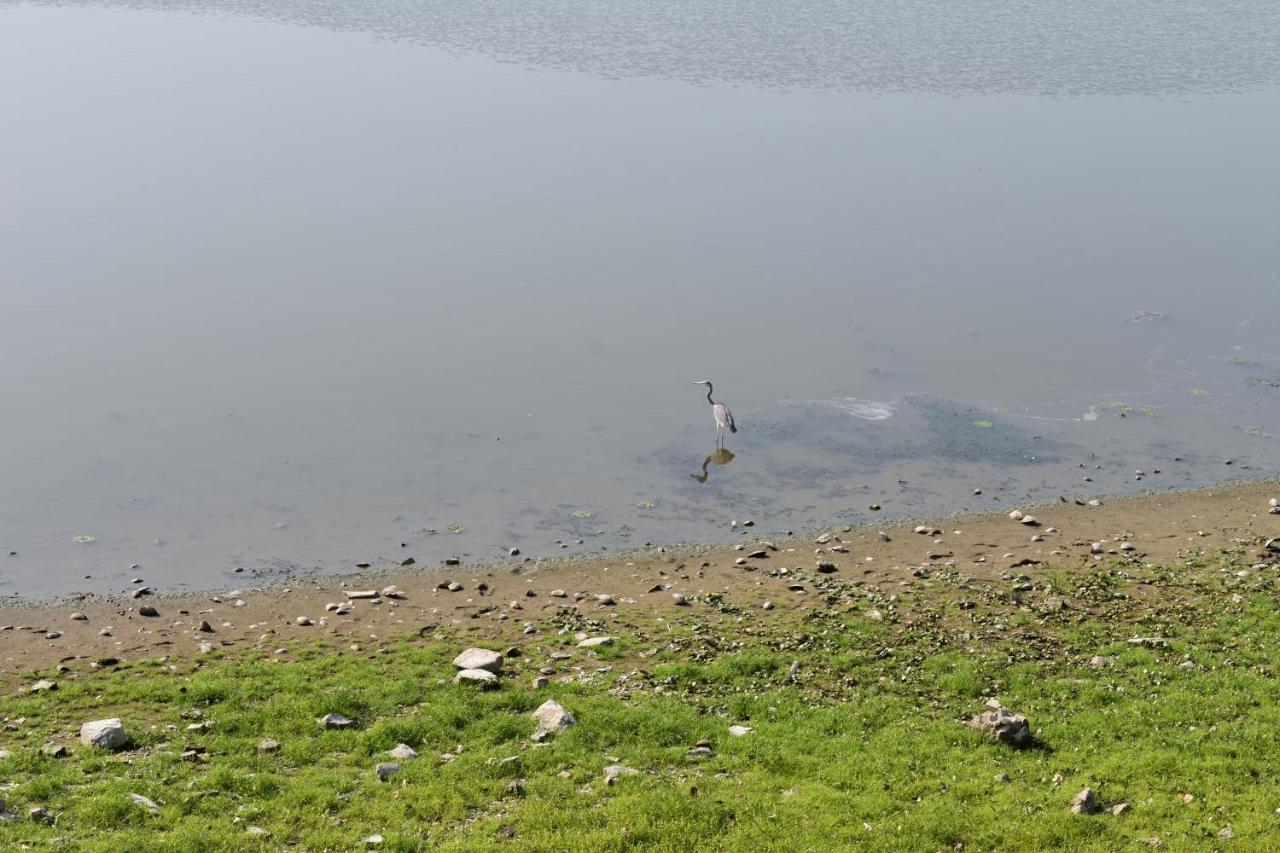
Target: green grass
865,747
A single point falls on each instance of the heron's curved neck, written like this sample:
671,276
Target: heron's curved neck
709,400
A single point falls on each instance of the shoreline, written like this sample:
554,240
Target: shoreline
1159,525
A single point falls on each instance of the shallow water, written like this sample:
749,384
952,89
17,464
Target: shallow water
287,285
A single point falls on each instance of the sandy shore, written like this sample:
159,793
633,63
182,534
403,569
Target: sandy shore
494,602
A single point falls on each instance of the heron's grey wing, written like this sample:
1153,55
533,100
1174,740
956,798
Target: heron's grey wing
728,416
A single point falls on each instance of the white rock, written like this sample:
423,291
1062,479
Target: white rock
483,677
1016,515
479,659
1085,802
552,717
739,731
404,752
592,642
613,771
105,734
1030,521
145,802
362,593
336,721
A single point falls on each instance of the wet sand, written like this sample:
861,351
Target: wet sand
496,601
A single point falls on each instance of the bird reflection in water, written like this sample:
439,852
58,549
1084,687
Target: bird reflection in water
720,456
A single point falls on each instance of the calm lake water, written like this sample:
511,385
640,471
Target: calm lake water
285,285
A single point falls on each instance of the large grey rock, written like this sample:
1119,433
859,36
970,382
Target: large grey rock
592,642
336,721
1001,725
403,752
42,815
482,677
552,717
145,802
386,770
613,771
480,659
1085,802
105,734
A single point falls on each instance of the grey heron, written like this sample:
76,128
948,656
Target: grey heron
724,417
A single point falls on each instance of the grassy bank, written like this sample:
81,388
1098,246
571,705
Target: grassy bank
863,744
